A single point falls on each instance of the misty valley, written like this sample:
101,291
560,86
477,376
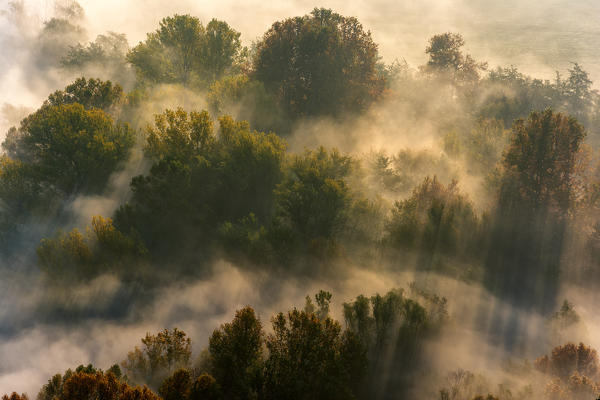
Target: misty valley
203,215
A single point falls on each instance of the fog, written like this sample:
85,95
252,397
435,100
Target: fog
46,329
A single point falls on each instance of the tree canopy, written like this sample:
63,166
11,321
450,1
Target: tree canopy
319,64
182,50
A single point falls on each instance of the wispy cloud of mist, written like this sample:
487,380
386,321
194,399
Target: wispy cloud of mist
31,356
538,38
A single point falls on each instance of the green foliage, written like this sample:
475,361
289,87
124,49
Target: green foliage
514,95
313,199
21,197
319,64
311,358
247,99
106,52
160,356
322,299
90,93
236,355
435,218
391,329
447,60
55,39
101,249
540,163
200,181
183,51
69,148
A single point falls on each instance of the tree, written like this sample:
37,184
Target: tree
236,355
540,163
160,356
578,93
447,60
105,56
322,299
15,396
21,198
182,386
221,49
55,388
311,358
313,199
568,359
205,388
200,180
183,51
538,183
435,218
55,39
90,93
391,329
69,148
102,249
176,386
319,64
100,386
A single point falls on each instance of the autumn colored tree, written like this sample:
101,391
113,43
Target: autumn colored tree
97,386
205,387
319,64
54,389
15,396
568,359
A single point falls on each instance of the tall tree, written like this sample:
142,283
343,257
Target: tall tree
183,51
236,355
311,358
540,163
319,64
447,60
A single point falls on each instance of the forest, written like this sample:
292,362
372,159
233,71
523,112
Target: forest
295,218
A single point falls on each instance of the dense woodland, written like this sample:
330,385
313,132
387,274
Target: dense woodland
508,198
